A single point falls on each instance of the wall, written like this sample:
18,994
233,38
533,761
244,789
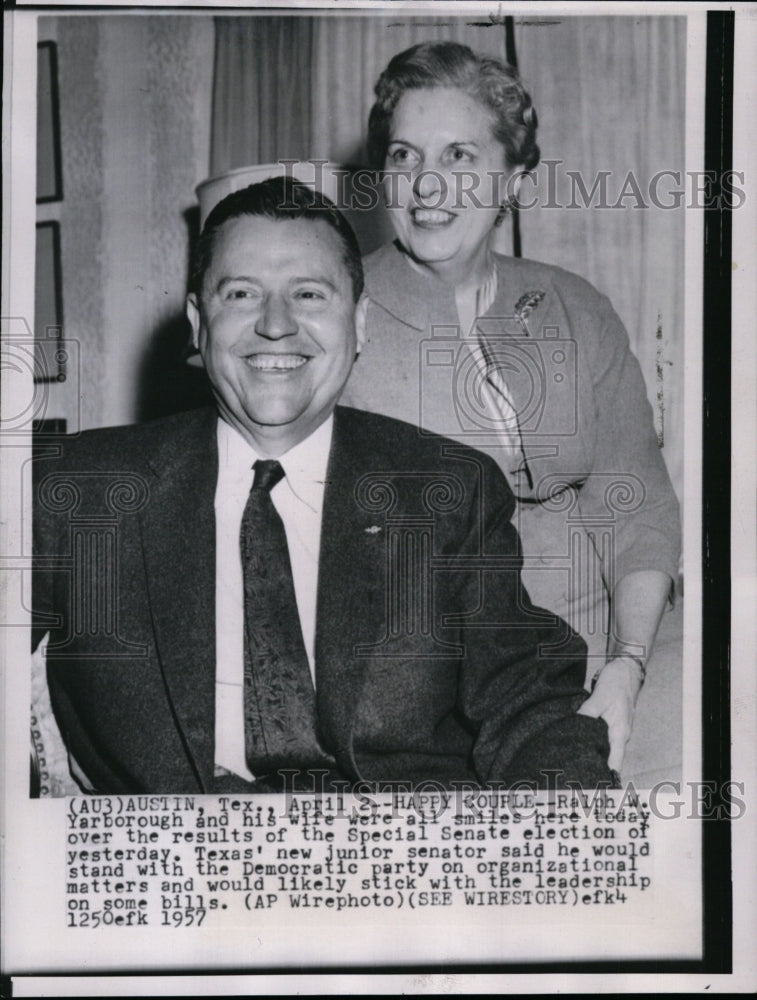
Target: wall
135,94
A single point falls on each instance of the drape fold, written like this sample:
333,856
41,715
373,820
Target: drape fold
262,108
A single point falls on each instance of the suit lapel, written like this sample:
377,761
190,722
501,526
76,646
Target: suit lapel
178,529
351,591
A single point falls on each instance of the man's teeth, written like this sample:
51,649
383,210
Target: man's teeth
431,215
276,362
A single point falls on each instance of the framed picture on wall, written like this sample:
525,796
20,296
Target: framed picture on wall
49,358
49,173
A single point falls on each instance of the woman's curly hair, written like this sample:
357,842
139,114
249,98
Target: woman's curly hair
448,64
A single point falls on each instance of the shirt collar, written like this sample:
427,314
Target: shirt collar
304,465
487,292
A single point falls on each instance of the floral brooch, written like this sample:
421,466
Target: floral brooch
526,305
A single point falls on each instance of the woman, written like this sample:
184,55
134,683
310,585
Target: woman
522,360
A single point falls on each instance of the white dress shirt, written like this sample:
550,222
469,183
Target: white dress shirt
298,498
494,389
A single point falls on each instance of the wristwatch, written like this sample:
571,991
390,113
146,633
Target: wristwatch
621,656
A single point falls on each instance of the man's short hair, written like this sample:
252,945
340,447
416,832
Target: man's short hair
283,198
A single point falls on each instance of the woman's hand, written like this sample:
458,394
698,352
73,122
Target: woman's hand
637,605
614,700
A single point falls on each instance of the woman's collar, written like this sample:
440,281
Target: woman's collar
408,293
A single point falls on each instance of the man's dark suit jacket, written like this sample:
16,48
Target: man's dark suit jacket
429,664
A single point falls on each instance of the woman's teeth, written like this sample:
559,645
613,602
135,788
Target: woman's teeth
432,216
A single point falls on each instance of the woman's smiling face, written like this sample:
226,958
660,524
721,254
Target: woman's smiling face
446,178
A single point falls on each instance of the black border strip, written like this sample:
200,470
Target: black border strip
716,491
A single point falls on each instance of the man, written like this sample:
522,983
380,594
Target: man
284,584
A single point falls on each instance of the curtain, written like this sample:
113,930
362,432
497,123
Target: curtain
610,96
261,91
609,92
301,87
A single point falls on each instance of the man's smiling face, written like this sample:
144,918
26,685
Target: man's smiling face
277,327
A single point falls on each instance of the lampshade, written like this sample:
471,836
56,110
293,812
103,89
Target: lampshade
363,208
328,178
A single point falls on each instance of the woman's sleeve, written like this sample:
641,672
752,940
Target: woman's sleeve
629,487
521,677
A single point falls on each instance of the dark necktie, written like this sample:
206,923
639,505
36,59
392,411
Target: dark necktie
279,698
